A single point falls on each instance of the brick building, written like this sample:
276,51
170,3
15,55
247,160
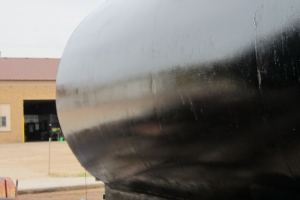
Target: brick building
27,99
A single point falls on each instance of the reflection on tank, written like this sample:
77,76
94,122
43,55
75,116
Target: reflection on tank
221,129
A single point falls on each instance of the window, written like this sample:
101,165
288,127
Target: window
2,121
5,121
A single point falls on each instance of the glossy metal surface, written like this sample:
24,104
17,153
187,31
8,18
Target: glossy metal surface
186,99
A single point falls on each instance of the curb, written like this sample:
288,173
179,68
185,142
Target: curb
59,189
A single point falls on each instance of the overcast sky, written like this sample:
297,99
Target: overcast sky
40,28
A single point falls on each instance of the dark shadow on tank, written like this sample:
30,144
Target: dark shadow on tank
275,187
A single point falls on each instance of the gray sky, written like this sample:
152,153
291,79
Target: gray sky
40,28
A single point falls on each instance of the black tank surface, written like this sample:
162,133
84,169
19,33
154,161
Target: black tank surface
186,99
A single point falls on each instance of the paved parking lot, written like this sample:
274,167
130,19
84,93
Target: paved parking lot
31,161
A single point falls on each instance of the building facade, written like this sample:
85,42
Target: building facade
27,86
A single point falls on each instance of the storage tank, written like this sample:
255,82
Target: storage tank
186,99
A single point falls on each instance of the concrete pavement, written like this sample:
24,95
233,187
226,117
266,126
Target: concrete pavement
40,166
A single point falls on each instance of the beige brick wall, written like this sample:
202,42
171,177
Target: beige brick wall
14,93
